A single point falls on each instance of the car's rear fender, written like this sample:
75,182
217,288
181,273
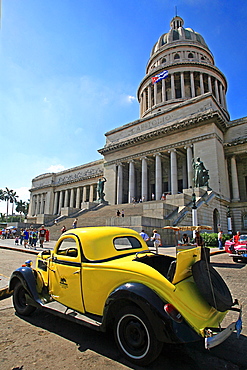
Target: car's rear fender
27,278
153,307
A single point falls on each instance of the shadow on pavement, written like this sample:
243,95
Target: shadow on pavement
192,356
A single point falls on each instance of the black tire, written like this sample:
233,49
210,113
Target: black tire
212,286
235,259
135,336
19,301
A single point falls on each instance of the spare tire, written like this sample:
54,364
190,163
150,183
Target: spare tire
211,286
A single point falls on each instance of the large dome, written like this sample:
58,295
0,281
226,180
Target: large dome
184,68
178,34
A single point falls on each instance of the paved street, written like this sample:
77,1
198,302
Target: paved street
230,355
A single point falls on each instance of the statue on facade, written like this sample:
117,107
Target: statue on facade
100,188
201,175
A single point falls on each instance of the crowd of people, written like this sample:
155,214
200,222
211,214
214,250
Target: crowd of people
28,237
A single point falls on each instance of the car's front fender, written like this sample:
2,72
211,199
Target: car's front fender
27,278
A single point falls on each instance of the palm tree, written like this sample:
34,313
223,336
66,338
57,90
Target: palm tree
22,207
1,194
13,199
7,194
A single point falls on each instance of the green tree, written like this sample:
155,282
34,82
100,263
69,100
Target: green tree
13,199
22,207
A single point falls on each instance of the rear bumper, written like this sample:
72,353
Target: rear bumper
214,339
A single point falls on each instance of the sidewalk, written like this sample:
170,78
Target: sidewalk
10,245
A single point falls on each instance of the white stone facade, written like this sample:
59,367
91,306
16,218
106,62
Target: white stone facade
182,117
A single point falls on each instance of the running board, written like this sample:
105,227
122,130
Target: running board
58,309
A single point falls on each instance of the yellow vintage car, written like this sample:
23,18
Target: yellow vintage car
105,277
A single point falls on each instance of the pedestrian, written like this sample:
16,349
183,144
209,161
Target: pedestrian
185,239
118,213
122,213
42,233
34,238
16,240
220,234
144,236
152,196
21,236
156,239
236,237
198,239
26,237
47,235
75,223
63,229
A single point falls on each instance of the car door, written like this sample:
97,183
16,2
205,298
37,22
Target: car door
65,273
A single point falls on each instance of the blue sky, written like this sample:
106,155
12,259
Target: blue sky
70,70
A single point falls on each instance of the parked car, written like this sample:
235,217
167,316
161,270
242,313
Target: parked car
238,250
106,278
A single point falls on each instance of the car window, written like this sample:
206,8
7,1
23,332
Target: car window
243,238
126,242
68,247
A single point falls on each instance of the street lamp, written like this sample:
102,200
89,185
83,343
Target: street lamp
194,212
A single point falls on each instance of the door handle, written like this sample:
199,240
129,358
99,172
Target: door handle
76,272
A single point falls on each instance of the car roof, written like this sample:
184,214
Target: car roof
97,242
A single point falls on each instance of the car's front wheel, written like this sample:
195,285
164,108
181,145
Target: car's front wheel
135,336
19,301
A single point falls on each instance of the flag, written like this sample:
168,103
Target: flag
159,77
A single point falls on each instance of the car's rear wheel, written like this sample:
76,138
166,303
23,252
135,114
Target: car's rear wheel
19,300
135,336
235,259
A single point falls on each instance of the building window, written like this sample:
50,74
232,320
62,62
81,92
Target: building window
190,55
163,60
176,56
245,221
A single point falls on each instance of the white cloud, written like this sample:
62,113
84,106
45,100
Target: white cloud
56,168
131,98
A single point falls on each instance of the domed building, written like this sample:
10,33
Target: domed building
184,131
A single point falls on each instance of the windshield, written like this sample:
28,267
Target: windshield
243,238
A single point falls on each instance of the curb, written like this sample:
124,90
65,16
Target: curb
4,292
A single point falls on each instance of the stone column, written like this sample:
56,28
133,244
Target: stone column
216,90
144,179
84,193
201,84
173,86
60,201
72,198
158,177
189,166
235,186
66,198
41,203
144,101
192,85
55,203
131,181
91,193
31,205
155,94
210,84
174,172
149,97
120,183
182,84
222,96
163,91
78,198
